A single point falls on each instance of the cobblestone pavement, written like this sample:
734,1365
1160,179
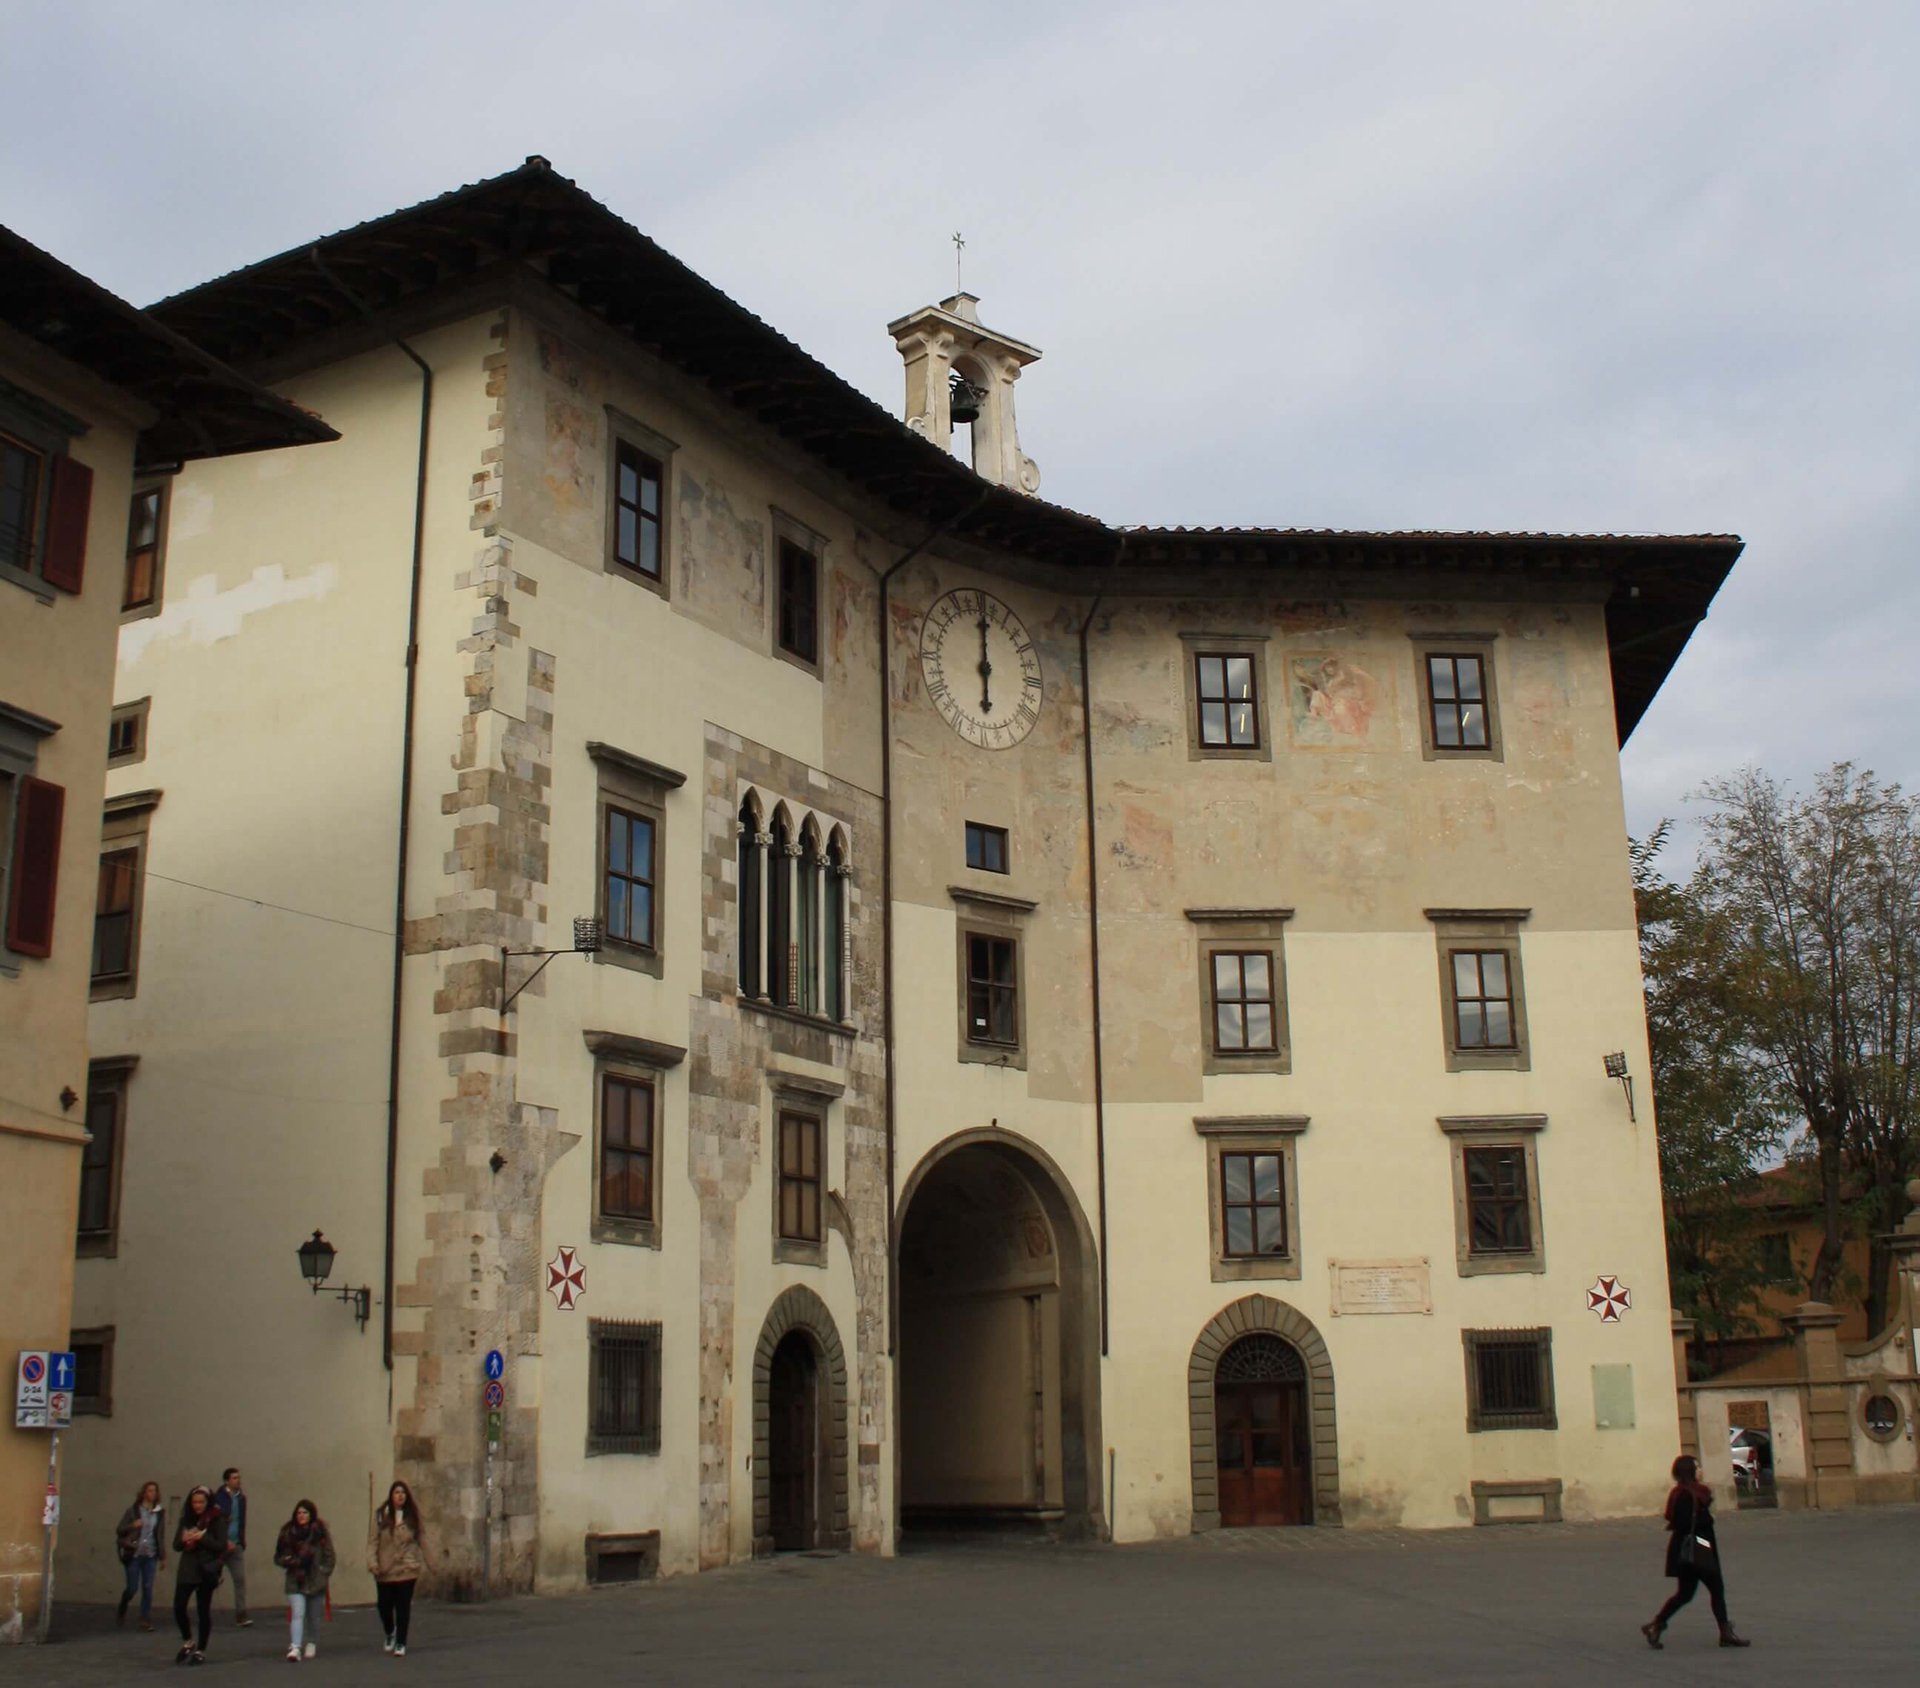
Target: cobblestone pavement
1826,1597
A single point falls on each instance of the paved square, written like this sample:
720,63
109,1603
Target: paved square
1827,1597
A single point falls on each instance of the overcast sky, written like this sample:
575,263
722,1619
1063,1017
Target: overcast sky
1583,265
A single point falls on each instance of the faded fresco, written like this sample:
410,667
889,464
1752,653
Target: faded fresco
1334,703
720,562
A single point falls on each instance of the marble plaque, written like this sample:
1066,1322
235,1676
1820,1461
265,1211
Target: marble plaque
1381,1286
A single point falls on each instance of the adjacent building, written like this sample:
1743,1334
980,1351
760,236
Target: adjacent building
96,400
884,1000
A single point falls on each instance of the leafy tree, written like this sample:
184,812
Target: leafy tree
1814,904
1720,1119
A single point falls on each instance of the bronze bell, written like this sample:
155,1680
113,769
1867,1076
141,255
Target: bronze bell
964,398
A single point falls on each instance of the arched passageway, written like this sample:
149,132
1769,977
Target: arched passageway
999,1342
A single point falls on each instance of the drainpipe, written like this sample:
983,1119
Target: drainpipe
406,790
1093,936
886,882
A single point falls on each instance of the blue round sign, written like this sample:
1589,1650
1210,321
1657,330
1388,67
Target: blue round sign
496,1365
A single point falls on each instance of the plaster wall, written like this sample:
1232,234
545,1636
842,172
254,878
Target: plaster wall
56,662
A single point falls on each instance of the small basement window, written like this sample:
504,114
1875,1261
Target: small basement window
627,1558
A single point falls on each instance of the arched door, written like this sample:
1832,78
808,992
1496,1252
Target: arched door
793,1445
1263,1440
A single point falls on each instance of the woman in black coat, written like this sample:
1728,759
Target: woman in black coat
1693,1554
201,1546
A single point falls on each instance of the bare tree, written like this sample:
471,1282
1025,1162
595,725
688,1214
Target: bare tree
1820,898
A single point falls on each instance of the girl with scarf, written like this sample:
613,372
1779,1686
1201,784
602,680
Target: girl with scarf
200,1546
1693,1554
142,1538
396,1555
305,1552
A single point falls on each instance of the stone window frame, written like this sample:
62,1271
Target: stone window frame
21,735
1495,1131
1481,645
626,781
799,1308
626,430
987,914
1278,1134
98,1405
138,713
125,827
790,531
809,1097
107,1075
648,1334
1243,929
1483,1422
1254,645
1482,930
639,1060
756,865
144,484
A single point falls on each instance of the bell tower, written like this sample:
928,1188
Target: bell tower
960,371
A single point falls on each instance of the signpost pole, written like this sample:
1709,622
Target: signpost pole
486,1540
51,1516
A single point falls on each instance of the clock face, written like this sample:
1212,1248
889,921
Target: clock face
982,669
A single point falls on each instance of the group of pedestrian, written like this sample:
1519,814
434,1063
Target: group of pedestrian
209,1545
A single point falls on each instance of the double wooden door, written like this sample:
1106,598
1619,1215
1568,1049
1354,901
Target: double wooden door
1263,1437
793,1445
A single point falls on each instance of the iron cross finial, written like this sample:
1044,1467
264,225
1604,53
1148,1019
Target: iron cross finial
959,241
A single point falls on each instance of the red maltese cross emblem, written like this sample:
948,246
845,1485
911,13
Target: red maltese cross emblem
1609,1298
566,1279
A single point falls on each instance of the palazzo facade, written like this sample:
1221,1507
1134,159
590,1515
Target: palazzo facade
1087,1026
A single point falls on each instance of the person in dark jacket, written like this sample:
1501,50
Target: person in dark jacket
305,1552
231,1500
141,1536
1693,1554
200,1545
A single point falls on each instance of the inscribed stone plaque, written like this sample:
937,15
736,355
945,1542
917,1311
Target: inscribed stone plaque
1613,1397
1381,1286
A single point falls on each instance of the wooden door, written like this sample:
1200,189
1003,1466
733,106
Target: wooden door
793,1444
1263,1438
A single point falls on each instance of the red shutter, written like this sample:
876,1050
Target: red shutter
68,502
35,871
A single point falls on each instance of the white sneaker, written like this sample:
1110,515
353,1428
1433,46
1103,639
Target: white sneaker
399,1652
387,1645
312,1649
293,1655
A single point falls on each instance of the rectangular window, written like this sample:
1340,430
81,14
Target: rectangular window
630,877
127,733
626,1148
36,811
1243,1019
639,483
92,1370
986,847
22,470
1776,1258
623,1387
799,602
1253,1204
993,990
144,519
113,916
1509,1379
800,1180
97,1227
1483,1015
1498,1217
1457,701
1229,702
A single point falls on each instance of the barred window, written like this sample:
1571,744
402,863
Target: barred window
623,1387
1509,1379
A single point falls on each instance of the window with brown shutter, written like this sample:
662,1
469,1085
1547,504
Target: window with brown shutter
146,521
33,875
113,915
800,1177
69,502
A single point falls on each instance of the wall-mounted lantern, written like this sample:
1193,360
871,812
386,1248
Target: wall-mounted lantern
1617,1068
316,1261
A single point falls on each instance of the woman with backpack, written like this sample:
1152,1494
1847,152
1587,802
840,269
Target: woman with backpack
200,1546
141,1536
305,1552
396,1555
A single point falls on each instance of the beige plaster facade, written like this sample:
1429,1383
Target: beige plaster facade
1014,1297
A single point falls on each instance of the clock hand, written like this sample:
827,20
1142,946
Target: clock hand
986,670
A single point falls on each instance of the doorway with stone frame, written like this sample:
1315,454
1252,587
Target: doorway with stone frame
800,1465
998,1348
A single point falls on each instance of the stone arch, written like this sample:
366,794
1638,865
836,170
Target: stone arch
1242,1318
1082,1472
799,1308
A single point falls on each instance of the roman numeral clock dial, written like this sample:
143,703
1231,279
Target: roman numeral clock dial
981,668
